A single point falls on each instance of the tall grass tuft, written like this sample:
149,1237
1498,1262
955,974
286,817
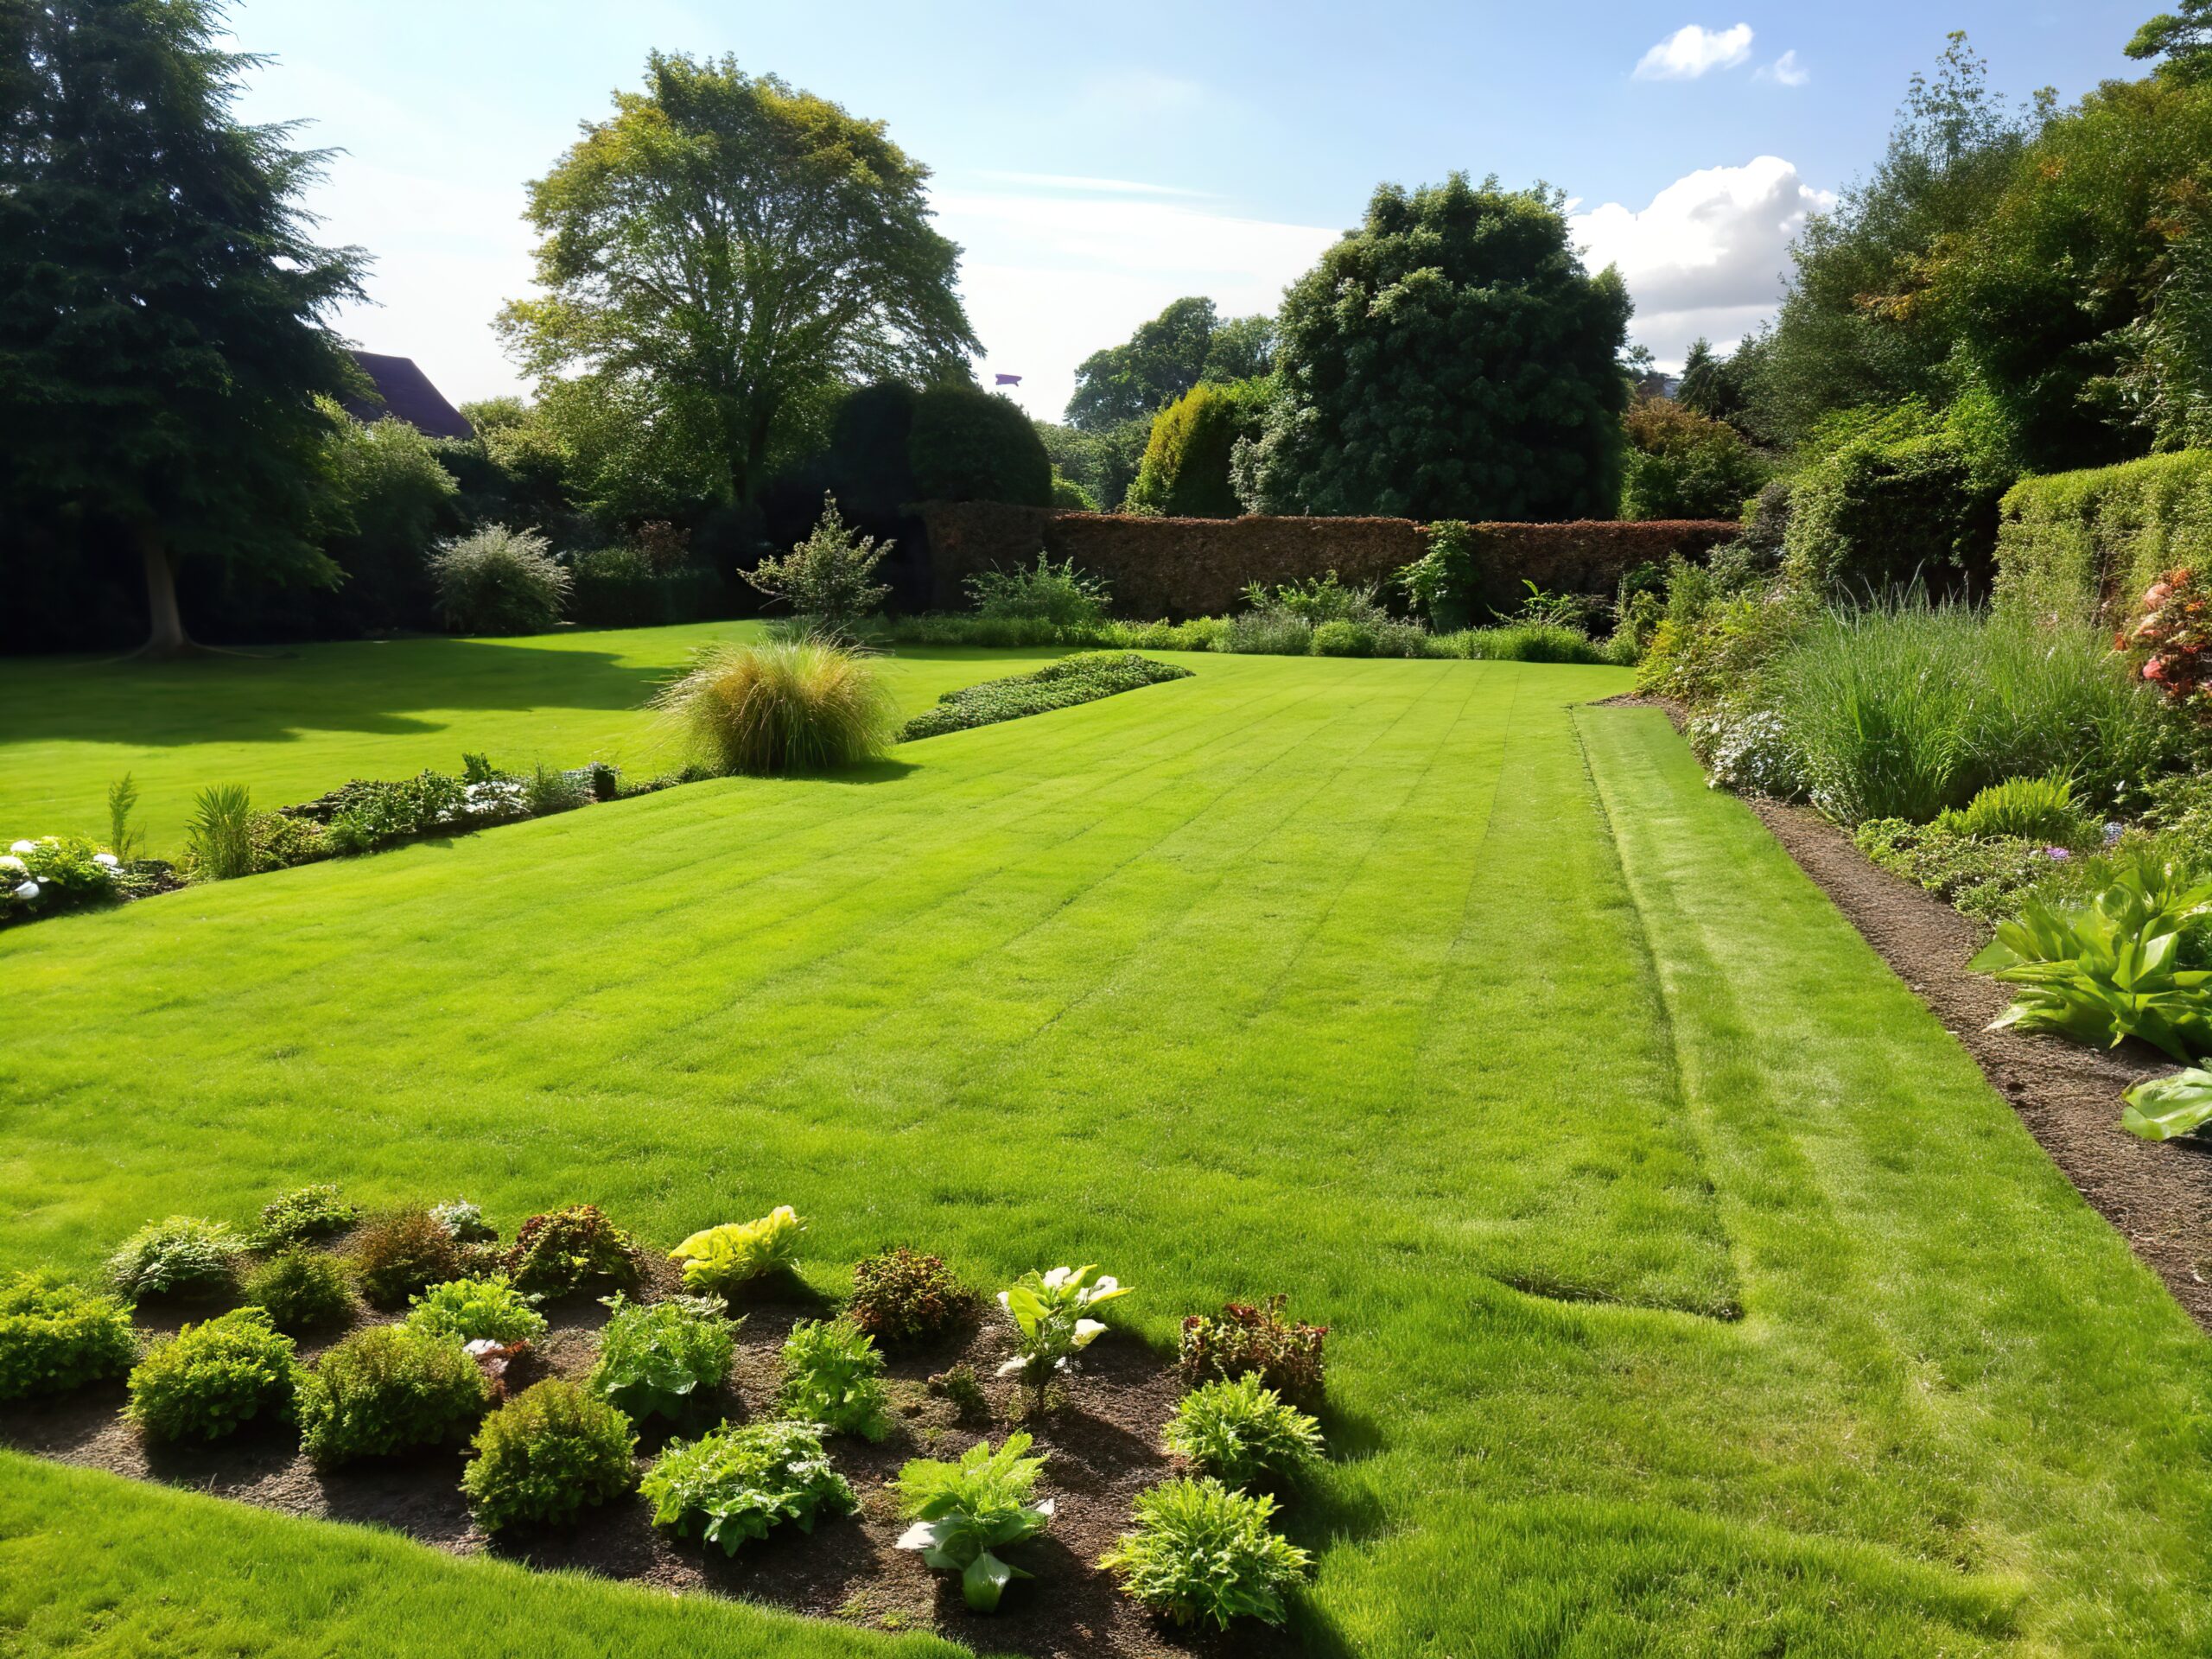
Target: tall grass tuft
785,707
216,832
1903,708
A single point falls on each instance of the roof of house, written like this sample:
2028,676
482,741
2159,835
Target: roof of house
405,393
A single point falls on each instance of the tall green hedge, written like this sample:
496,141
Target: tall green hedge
2085,543
1186,470
1876,514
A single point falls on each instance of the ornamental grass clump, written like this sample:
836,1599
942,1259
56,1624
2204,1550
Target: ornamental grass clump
965,1512
771,709
300,1291
736,1484
717,1260
184,1255
1200,1554
657,1358
388,1389
54,1335
210,1380
550,1453
1241,1432
833,1375
476,1310
1050,1313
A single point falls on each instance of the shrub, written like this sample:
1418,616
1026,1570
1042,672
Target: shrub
970,445
1058,594
54,1335
2172,637
497,580
719,1259
181,1256
386,1389
548,790
1049,1312
1685,465
1985,877
300,1291
1184,472
396,1256
54,873
217,833
2071,542
1266,633
658,1357
280,841
734,1483
476,1310
1899,496
903,1296
565,1250
833,1375
211,1379
1441,583
1072,680
964,1513
1745,745
1241,1432
793,705
299,1217
1256,1339
1070,496
545,1455
465,1221
1342,638
829,576
2032,809
1200,1551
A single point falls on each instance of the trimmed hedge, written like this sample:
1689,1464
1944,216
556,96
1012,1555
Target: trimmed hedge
2085,543
1057,686
1875,515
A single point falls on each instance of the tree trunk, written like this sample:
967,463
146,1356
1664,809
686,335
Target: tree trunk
167,637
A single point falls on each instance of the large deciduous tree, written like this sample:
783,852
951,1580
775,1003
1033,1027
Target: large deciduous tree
1451,359
163,303
724,248
1188,342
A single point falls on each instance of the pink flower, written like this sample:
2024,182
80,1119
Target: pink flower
2154,669
2157,595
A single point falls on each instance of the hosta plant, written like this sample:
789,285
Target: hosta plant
2164,1108
54,1335
547,1453
1199,1553
833,1375
719,1259
1241,1432
477,1310
736,1484
181,1256
658,1357
1051,1319
210,1380
965,1512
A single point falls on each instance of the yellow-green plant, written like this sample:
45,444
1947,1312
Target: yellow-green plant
1050,1313
964,1513
789,706
720,1258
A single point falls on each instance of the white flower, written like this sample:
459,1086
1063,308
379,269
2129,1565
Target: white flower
107,861
1004,1303
920,1535
1088,1331
1012,1366
27,892
23,847
13,865
1106,1285
1058,1277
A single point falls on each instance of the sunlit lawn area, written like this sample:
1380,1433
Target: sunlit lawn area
1690,1291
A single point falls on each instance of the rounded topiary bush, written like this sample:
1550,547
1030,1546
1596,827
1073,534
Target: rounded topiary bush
211,1379
498,581
386,1389
547,1453
54,1335
300,1291
795,706
1342,638
967,444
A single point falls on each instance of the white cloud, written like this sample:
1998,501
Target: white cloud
1786,70
1079,182
1692,49
1706,256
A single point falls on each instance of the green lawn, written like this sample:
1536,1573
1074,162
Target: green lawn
294,721
1691,1291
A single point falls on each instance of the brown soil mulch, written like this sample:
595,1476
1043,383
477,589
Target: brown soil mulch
1104,1444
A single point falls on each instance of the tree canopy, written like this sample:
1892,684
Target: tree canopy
723,250
1188,342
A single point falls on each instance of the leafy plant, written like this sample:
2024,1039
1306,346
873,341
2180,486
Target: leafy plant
1200,1552
2035,809
476,1310
719,1259
211,1379
786,706
965,1512
1441,584
959,1385
386,1390
2163,1109
566,1250
905,1296
2172,636
1058,594
833,1375
465,1221
658,1357
546,1454
300,1291
829,576
54,872
734,1483
1049,1310
1240,1431
125,842
1072,680
497,580
398,1254
1256,1339
181,1256
54,1335
549,789
298,1218
1266,633
1343,638
217,833
2105,971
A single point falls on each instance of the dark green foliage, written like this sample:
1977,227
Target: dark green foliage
734,1483
660,1358
2182,37
1202,1554
181,1256
1685,465
1102,463
1240,1431
1899,495
1082,678
1056,593
972,445
571,1250
396,1256
54,1335
1184,473
1248,1339
1188,342
828,578
905,1296
300,1291
1450,360
833,1375
211,1380
1442,584
547,1454
391,500
387,1389
307,1215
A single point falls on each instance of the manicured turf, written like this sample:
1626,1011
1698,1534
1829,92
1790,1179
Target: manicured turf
1691,1291
293,721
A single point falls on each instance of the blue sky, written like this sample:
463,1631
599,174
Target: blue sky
1097,163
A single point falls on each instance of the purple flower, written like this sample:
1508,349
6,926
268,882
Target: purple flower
2056,855
2113,833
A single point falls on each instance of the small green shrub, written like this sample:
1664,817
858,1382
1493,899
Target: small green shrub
1256,1339
1343,638
465,1221
736,1484
217,833
965,1512
386,1389
903,1296
396,1256
181,1256
548,790
54,1335
962,1389
2032,809
545,1455
497,580
829,577
656,1358
1056,593
794,706
1266,633
1986,877
567,1250
717,1260
1239,1431
303,1217
280,840
476,1310
211,1379
1050,1313
1072,680
833,1375
54,873
300,1291
1200,1552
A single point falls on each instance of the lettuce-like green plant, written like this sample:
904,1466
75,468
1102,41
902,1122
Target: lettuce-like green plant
2164,1108
477,1310
736,1484
658,1357
2105,971
833,1375
211,1379
964,1513
301,1290
312,1213
1050,1313
1240,1431
1201,1552
719,1259
54,1335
